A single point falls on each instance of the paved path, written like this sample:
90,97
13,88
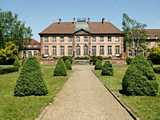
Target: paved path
83,97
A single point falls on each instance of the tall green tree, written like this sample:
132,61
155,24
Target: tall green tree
12,29
135,35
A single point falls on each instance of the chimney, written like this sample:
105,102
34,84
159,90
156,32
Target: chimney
103,19
74,19
88,20
59,21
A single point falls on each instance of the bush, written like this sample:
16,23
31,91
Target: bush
17,62
156,69
154,55
68,64
4,70
30,81
67,58
60,69
140,78
7,55
82,58
107,69
98,65
128,60
95,58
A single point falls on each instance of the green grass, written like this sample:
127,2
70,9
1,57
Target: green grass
26,108
145,107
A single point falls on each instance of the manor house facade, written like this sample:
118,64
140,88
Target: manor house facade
81,38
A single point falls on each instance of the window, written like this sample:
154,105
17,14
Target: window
29,53
78,38
45,39
117,49
54,51
46,50
109,38
109,50
53,39
101,50
69,39
35,53
78,50
116,39
85,38
101,38
61,50
62,38
94,39
94,50
70,50
85,49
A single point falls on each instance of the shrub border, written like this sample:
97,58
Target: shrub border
135,117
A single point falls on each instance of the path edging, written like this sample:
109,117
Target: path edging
119,101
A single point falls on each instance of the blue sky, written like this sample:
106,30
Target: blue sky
38,14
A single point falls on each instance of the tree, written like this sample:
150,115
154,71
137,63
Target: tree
135,35
30,81
154,55
12,29
8,54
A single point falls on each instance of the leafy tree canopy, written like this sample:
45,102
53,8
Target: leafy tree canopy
135,34
12,29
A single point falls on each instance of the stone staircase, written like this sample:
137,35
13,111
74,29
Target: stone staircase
81,62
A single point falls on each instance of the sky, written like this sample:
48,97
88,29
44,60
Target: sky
38,14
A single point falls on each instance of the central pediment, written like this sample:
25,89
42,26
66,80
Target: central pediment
81,32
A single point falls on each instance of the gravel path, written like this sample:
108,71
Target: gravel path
83,97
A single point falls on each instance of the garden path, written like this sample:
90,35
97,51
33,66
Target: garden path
84,97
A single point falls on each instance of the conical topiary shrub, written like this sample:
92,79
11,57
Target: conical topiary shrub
140,78
98,65
30,81
68,64
107,69
60,69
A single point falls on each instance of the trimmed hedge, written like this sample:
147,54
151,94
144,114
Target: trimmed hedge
98,65
60,69
107,69
4,70
140,78
68,64
30,81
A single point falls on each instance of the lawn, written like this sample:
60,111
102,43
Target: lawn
145,107
26,108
